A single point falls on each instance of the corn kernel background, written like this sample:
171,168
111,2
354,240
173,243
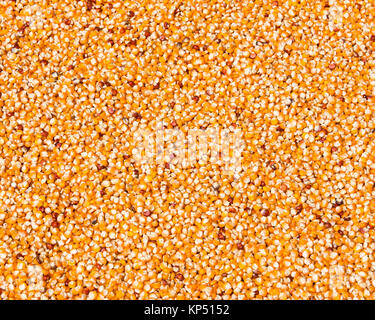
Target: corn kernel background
80,218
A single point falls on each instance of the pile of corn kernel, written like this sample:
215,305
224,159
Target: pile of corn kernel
81,218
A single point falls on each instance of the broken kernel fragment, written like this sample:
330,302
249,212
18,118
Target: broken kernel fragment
99,211
221,236
180,277
332,66
240,246
147,213
55,224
